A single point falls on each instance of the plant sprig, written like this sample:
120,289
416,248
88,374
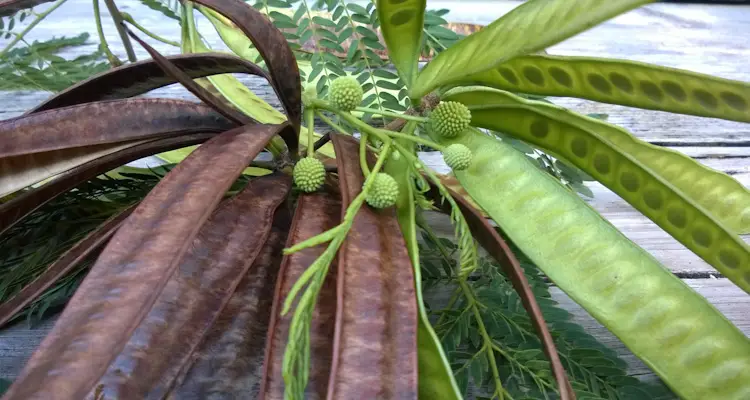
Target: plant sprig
297,353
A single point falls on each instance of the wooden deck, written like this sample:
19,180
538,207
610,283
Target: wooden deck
710,39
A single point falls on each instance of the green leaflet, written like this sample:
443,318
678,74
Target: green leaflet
623,82
435,377
718,193
532,26
238,43
402,23
684,339
651,194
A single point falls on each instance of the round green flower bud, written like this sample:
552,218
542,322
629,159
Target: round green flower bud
457,156
345,93
309,174
450,118
384,191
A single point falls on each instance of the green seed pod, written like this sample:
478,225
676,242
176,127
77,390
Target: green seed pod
384,191
457,156
309,174
345,93
450,118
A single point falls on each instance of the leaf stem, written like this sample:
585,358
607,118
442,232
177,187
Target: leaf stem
129,19
487,345
31,26
391,114
113,60
117,19
363,127
330,123
364,57
310,120
443,251
363,155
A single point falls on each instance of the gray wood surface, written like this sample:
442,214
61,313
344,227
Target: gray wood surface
709,39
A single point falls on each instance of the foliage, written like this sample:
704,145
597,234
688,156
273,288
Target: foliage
168,8
522,170
11,22
43,236
38,65
595,370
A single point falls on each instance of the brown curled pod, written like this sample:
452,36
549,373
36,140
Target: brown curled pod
91,124
229,360
9,7
135,266
314,214
375,348
220,256
24,204
187,82
272,46
134,79
38,146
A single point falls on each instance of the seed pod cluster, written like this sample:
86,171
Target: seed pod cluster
345,93
450,118
457,156
384,191
309,174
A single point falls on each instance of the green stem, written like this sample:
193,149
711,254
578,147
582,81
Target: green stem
415,139
363,127
436,40
330,123
392,114
487,345
443,251
360,46
129,19
113,60
342,229
363,155
451,302
117,19
310,120
31,26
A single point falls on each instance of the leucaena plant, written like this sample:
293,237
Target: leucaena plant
366,333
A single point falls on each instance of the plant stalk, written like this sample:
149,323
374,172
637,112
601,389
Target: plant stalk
129,19
117,18
113,60
363,127
405,117
488,346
